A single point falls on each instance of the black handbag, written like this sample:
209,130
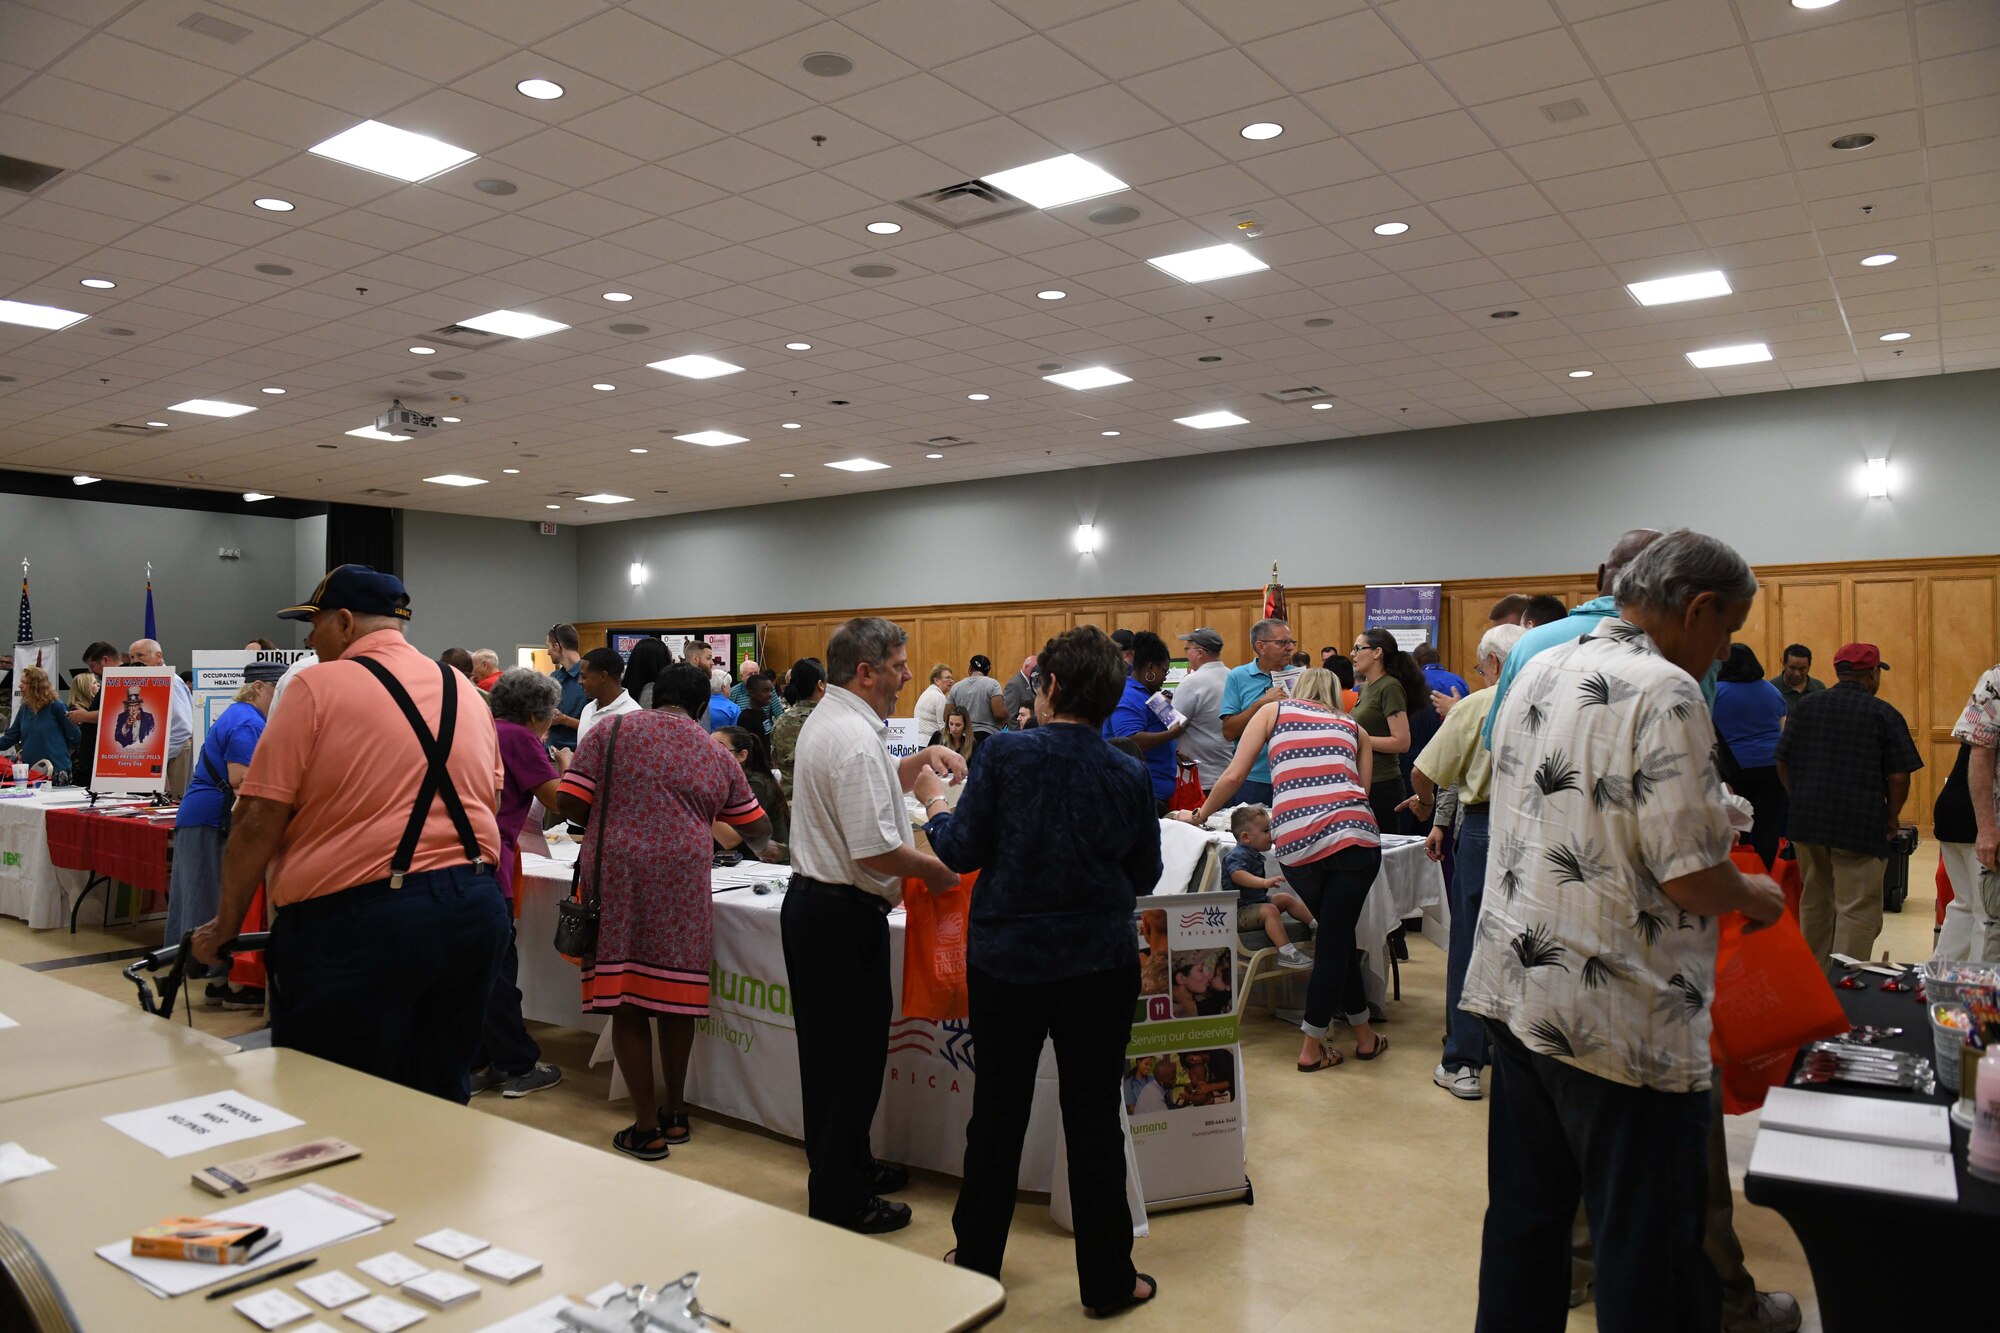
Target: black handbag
576,919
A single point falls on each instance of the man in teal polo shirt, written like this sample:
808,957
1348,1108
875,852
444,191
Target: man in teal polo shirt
1249,688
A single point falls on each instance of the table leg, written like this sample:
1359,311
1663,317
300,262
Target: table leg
93,882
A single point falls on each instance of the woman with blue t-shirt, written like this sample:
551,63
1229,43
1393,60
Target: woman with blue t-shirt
1749,717
201,825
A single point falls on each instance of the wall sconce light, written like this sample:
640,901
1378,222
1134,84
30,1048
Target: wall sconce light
1878,478
638,574
1086,538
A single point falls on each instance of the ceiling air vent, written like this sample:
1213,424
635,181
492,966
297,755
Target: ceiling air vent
17,173
377,493
128,428
1570,109
208,25
1297,395
466,340
967,204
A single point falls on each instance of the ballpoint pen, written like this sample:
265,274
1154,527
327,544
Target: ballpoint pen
264,1275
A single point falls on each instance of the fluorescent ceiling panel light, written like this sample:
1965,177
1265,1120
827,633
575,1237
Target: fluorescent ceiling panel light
1262,129
370,433
603,498
38,316
1209,263
695,367
1210,420
513,324
210,407
1742,354
101,284
1686,287
712,438
859,465
1091,377
1057,181
388,151
542,90
270,205
84,479
254,496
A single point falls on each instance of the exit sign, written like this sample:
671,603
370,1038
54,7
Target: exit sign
548,529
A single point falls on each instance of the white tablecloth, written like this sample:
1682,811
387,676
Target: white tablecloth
31,886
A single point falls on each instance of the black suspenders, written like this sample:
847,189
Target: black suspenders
437,783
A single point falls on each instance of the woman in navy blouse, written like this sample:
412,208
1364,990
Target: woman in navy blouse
1749,717
1062,830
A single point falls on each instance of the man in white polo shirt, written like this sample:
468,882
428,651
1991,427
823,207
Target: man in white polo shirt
851,849
602,678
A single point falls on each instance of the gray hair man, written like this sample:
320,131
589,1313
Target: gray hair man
1199,700
486,668
1250,687
180,718
1594,964
851,850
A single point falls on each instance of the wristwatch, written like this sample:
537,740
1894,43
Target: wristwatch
934,800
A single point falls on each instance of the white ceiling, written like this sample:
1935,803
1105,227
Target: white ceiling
680,168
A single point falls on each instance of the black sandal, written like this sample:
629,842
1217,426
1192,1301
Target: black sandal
636,1142
1381,1045
1120,1307
675,1128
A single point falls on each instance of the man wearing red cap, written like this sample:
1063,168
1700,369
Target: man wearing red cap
1846,757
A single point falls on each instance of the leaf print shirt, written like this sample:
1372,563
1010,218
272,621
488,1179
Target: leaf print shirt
1604,787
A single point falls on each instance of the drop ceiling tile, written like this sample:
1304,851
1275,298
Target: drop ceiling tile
1464,175
1852,103
1637,180
1818,54
730,96
1372,197
1206,86
925,104
1706,127
1020,74
156,24
1514,68
991,145
1439,27
1156,157
1493,208
1381,99
622,48
1717,166
642,128
1416,143
1341,49
1653,34
418,41
895,173
566,158
1680,85
1959,122
729,28
1308,167
1955,27
735,165
1876,173
927,34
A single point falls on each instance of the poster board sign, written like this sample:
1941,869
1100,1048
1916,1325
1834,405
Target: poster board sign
1184,1066
43,653
222,669
136,709
902,738
731,643
1410,611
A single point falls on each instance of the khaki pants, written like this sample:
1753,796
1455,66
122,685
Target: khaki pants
1971,932
179,769
1840,903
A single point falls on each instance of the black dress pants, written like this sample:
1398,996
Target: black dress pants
837,961
1090,1019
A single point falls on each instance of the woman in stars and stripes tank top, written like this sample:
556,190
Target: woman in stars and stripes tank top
1319,801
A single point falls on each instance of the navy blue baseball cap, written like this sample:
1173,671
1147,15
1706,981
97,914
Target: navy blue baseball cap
356,588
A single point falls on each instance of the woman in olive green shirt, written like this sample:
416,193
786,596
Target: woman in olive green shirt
805,685
1388,679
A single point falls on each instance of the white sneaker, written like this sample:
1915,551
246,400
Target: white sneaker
1294,957
1460,1083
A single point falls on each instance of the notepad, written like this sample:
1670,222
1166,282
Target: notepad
307,1221
1914,1172
1863,1119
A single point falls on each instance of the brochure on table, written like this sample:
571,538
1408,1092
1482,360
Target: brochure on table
134,714
1184,1067
43,653
1410,611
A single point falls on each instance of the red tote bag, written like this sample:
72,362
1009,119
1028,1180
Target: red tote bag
1187,789
935,928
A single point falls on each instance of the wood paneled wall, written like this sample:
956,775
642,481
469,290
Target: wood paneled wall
1937,622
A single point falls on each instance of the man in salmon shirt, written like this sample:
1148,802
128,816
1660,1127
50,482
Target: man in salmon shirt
372,798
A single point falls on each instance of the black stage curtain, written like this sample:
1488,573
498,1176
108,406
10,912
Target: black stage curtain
363,535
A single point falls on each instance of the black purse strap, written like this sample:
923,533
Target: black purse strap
437,783
600,815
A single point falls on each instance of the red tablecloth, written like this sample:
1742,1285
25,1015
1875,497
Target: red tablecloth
133,850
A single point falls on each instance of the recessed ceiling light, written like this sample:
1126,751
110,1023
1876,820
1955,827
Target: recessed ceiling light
1210,420
1685,287
1813,4
1263,129
1848,143
604,388
455,479
1107,432
827,64
452,420
1209,263
605,499
1090,377
638,451
977,397
1322,407
84,479
495,185
618,296
1505,314
511,471
158,425
1052,294
275,205
712,438
370,433
273,389
789,425
210,407
788,476
1391,228
38,316
1581,374
859,465
513,324
798,347
101,284
423,351
1892,337
933,455
1742,354
1877,261
695,367
552,506
1056,181
388,151
254,496
885,228
542,90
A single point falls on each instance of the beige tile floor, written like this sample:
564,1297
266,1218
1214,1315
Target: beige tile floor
1370,1182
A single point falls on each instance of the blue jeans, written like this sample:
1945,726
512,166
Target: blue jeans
392,982
504,1044
1465,1034
1636,1157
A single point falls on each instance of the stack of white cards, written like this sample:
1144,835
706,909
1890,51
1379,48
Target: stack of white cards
379,1314
271,1309
392,1269
441,1290
503,1265
451,1244
333,1290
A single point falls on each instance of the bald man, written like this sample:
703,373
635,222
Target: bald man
180,720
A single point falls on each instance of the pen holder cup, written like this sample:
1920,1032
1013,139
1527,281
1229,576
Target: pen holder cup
1949,1041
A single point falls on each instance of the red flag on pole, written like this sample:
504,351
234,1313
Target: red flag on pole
1274,596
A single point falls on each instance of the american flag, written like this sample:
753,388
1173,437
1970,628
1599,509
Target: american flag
25,631
1274,596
